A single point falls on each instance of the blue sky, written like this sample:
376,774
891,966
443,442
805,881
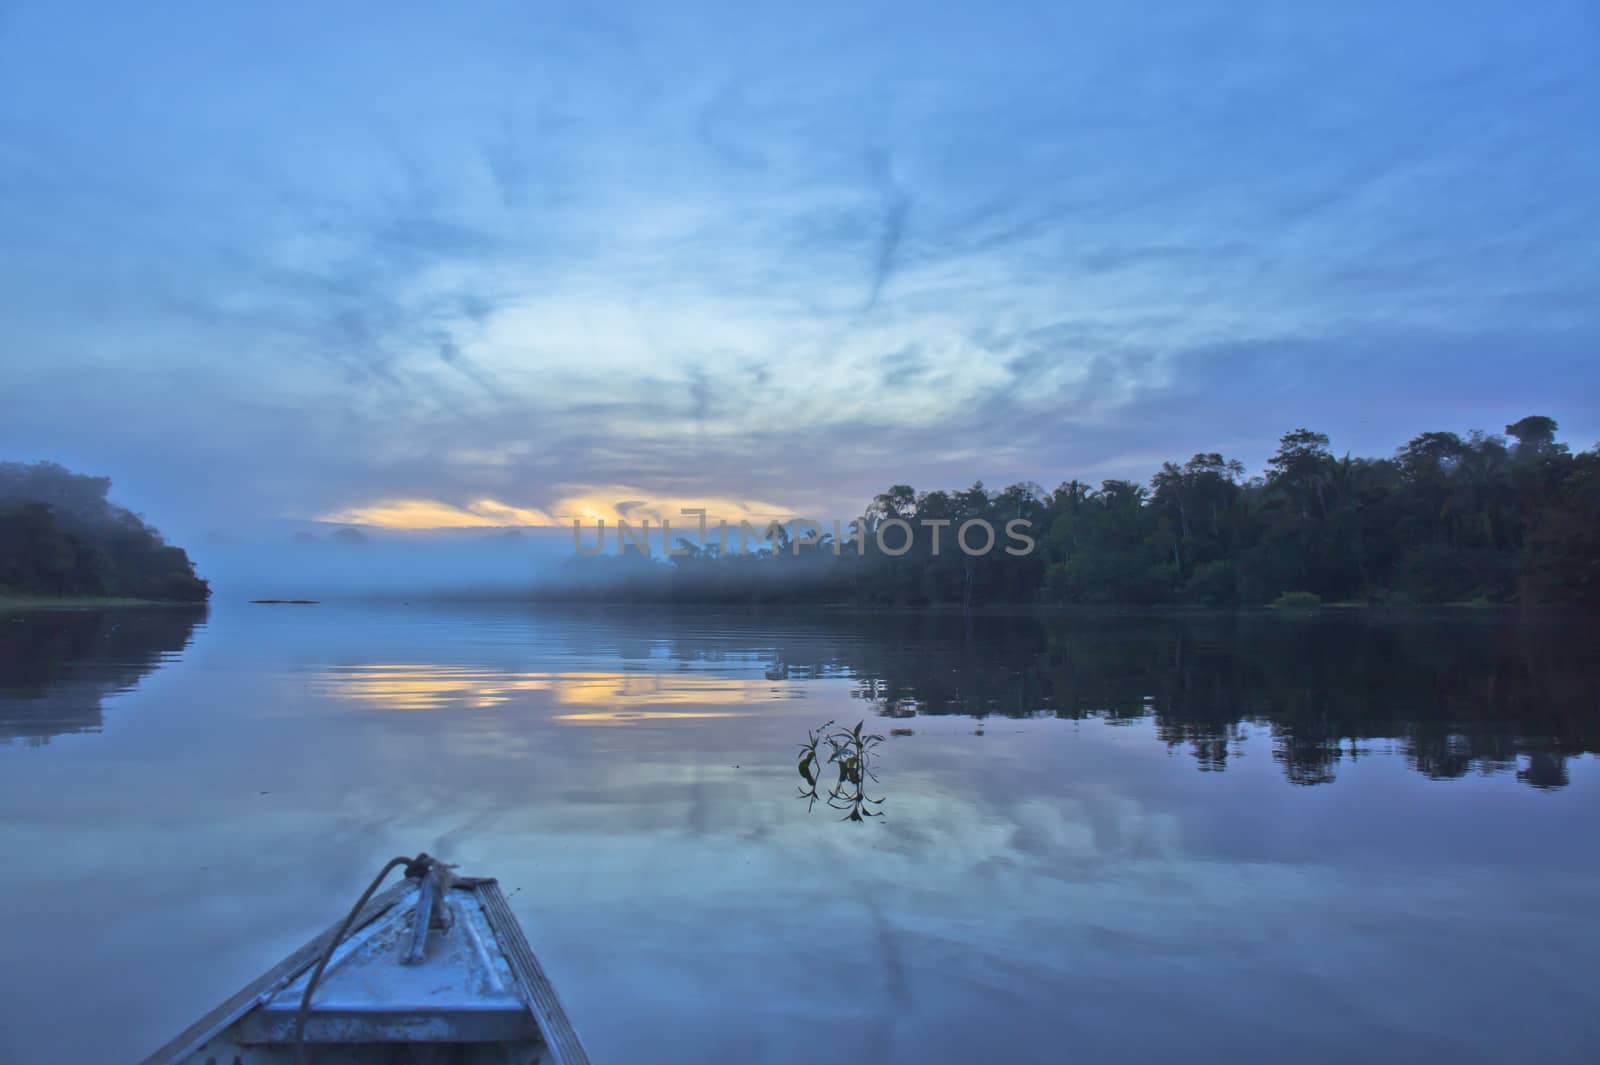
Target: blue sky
505,263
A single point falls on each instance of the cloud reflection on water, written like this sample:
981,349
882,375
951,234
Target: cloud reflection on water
419,686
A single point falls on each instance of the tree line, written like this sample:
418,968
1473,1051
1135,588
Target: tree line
1447,519
61,536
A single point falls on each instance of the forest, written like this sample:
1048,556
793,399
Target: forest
1479,519
61,536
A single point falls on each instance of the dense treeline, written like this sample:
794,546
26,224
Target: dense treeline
61,536
1448,519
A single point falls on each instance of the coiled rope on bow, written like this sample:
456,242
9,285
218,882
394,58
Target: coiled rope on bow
416,869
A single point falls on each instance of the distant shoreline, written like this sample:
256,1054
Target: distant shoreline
847,607
40,602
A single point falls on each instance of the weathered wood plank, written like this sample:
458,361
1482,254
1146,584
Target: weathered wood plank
551,1016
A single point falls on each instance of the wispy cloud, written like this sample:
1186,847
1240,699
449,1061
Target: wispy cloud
481,260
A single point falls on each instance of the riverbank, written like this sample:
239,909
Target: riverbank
83,602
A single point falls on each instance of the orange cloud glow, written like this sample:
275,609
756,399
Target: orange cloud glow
432,514
584,503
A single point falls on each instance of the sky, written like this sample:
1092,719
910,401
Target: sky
470,264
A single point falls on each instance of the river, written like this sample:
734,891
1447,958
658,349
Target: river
1102,837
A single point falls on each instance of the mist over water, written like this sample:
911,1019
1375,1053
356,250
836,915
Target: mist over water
1281,832
350,563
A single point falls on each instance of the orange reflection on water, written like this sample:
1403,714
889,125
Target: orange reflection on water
603,694
604,689
424,687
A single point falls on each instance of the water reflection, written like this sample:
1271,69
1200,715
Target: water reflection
58,666
1452,695
1069,871
418,686
634,717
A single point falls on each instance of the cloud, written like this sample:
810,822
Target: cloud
586,504
896,208
432,514
482,262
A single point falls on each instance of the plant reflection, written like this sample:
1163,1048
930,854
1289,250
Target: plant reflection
851,752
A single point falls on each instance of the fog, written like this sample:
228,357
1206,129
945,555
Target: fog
349,563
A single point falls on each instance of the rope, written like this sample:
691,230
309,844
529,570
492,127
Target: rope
415,868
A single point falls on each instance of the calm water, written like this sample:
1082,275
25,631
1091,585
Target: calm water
1106,838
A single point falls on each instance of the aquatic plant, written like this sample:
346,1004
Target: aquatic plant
851,752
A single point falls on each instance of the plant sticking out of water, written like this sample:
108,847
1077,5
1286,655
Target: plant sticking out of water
851,752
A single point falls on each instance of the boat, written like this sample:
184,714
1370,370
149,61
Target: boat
433,970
